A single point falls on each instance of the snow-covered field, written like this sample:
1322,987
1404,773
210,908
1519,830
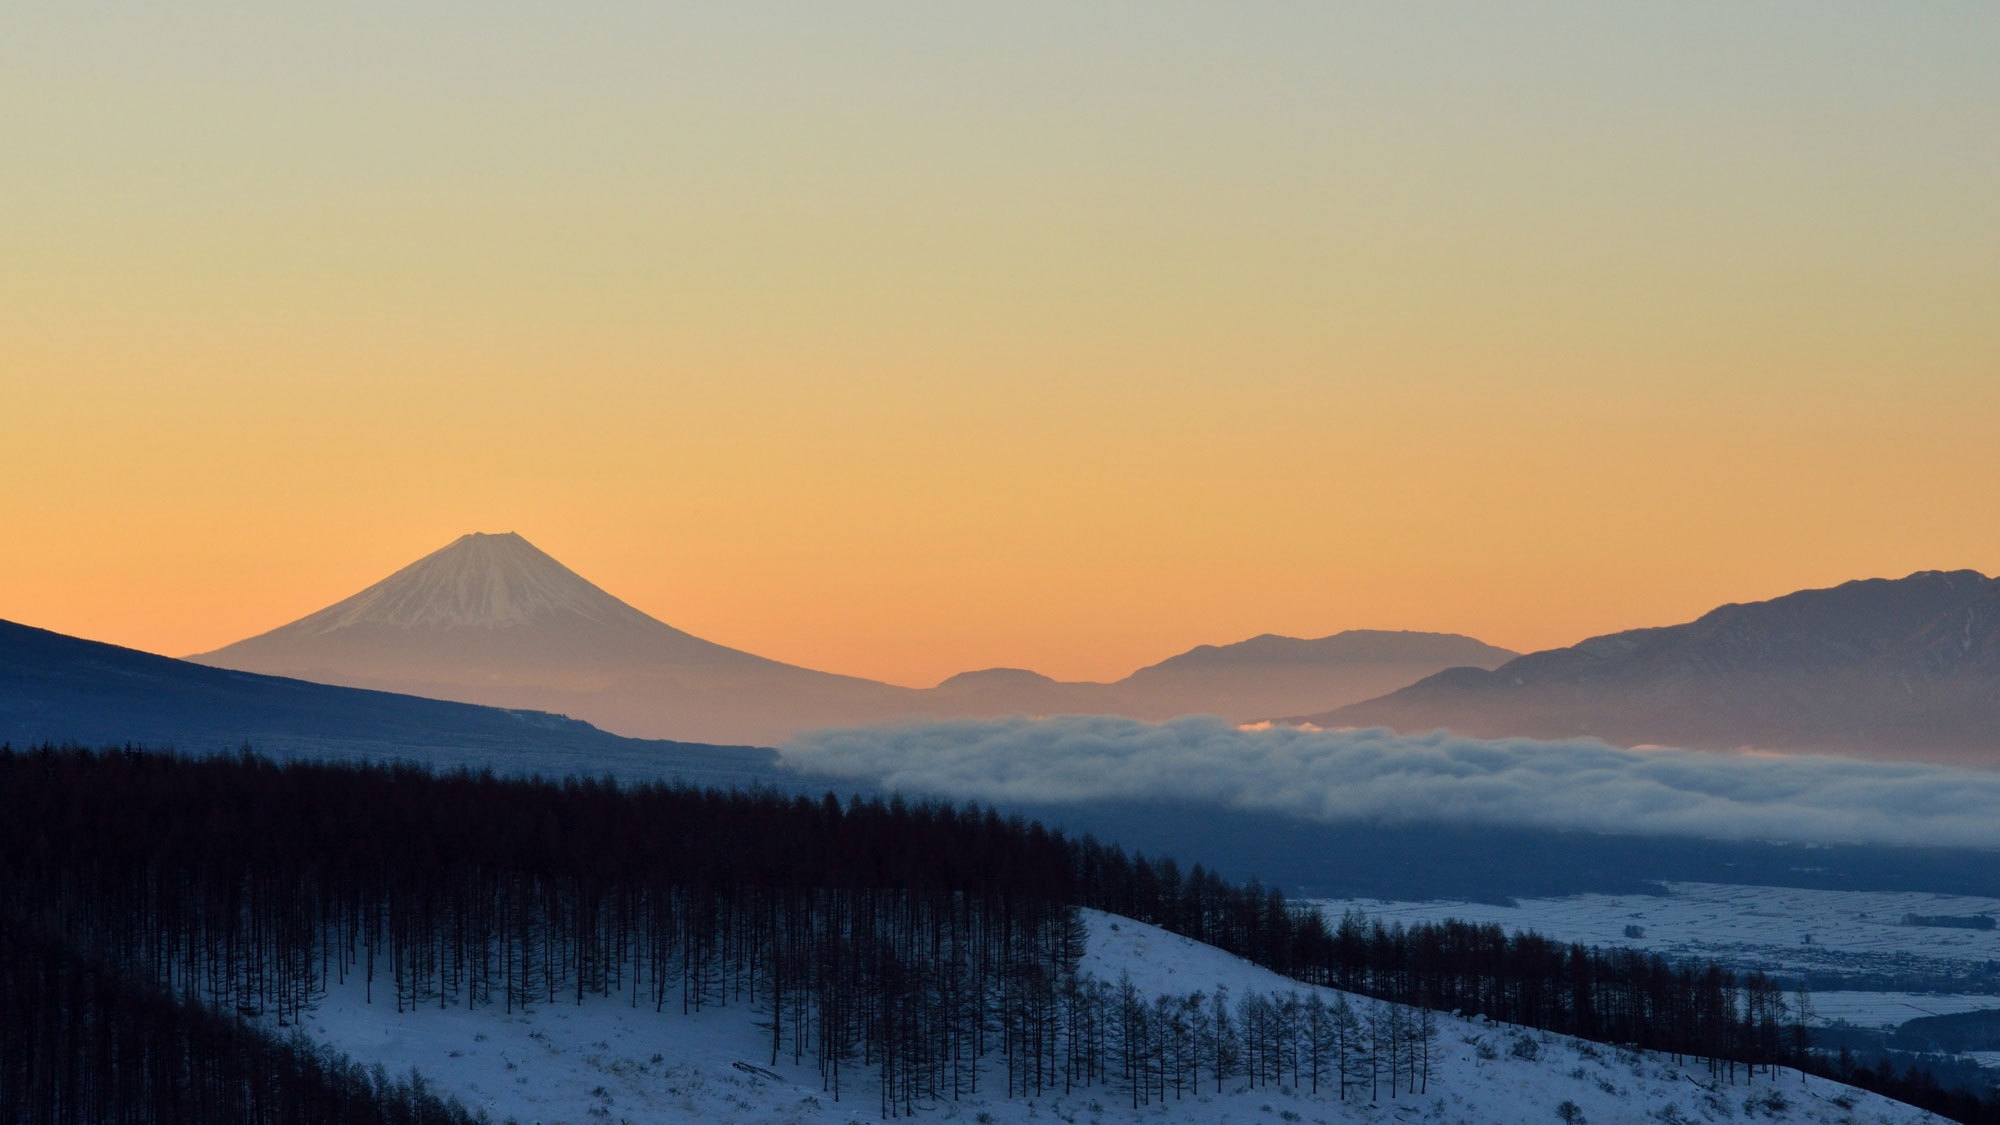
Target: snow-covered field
607,1061
1855,934
1888,1009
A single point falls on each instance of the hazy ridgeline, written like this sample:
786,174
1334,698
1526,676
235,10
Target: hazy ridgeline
922,947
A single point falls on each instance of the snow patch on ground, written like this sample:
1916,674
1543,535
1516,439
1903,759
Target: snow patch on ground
1160,961
1892,1009
605,1060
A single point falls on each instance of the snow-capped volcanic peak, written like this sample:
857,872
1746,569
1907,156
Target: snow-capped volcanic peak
479,581
492,620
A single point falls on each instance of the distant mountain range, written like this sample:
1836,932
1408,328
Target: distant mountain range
492,619
56,688
1904,668
1246,681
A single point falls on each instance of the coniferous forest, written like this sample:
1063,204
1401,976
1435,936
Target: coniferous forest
164,920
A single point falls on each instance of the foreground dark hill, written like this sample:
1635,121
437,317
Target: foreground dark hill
492,619
1901,669
55,688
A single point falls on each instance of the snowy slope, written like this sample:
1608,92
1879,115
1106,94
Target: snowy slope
607,1061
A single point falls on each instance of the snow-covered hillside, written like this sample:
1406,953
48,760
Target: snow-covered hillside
606,1060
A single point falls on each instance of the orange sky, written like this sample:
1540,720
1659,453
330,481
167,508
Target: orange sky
897,344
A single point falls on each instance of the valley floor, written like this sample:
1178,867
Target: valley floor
1889,972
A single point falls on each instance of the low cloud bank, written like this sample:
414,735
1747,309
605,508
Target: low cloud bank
1377,775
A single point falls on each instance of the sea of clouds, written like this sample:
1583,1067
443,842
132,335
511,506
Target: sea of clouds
1378,775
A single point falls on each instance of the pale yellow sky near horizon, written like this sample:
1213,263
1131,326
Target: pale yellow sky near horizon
899,341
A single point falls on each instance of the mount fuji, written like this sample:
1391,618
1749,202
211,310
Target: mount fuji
493,619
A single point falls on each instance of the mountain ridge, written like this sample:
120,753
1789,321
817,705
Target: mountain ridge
58,688
1892,668
1383,645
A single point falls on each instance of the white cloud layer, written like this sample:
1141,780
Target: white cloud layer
1382,776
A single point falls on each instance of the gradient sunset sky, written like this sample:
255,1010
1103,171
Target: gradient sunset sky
899,340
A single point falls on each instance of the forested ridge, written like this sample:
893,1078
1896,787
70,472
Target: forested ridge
912,951
82,1041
